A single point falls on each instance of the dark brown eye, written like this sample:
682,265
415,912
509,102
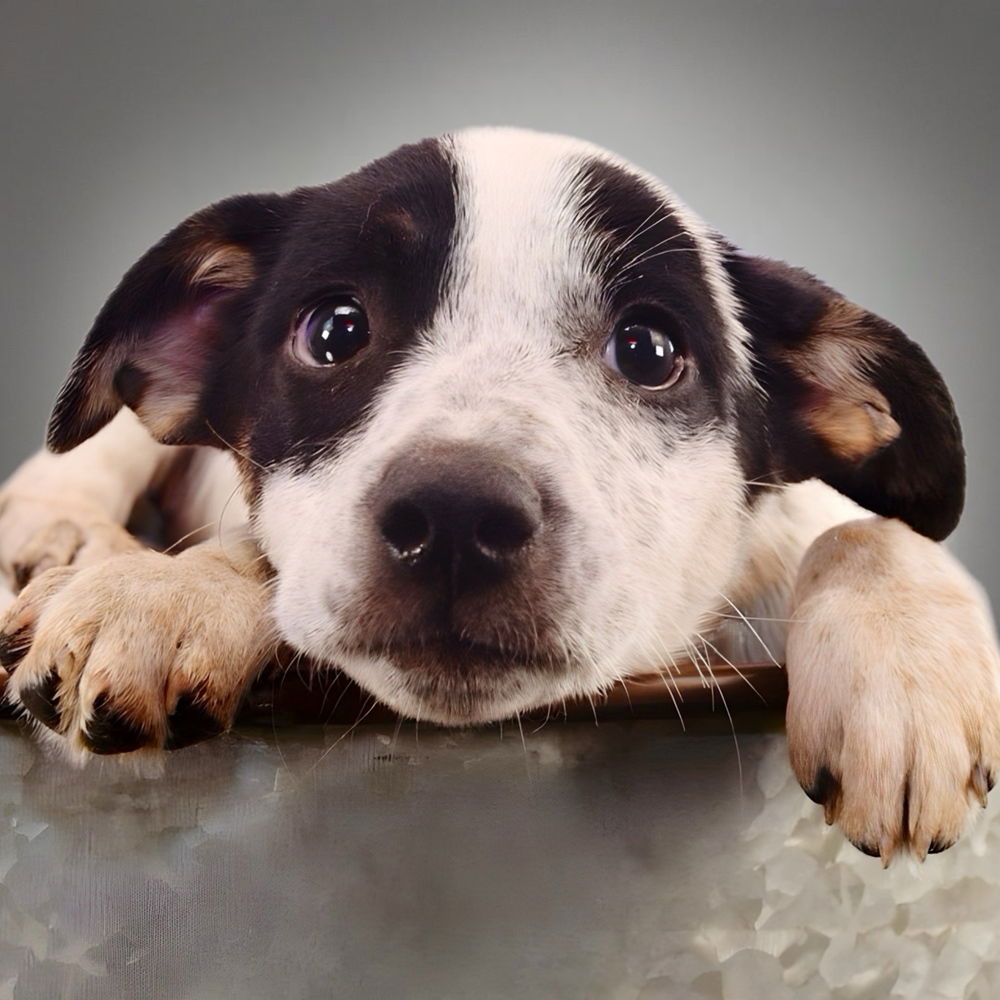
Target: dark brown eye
644,354
332,333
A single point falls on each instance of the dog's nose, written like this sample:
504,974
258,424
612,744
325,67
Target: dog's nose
457,515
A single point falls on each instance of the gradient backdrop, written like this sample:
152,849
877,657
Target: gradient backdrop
856,139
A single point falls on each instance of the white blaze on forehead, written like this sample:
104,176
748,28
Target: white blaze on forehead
518,247
518,236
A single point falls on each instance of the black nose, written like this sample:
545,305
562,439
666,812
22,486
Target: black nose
457,515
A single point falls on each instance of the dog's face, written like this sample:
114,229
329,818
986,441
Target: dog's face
522,480
503,405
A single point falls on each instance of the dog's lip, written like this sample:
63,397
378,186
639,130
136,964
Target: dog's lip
454,652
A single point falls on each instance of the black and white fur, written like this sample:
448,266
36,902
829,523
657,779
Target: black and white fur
493,265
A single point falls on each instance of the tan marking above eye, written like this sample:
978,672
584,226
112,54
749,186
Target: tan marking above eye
226,264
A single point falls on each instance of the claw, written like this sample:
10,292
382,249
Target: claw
872,852
937,846
825,791
14,646
824,784
111,732
41,700
980,781
22,576
887,851
190,723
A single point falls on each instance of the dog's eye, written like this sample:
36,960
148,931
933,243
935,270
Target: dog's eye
644,354
332,332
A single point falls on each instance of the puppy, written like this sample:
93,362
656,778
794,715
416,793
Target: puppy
497,421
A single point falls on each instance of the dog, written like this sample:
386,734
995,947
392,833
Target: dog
497,421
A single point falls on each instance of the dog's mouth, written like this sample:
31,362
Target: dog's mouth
462,656
454,680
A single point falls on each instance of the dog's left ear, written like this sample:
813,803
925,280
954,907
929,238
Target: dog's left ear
851,400
153,344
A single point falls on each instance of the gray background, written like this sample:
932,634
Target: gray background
856,139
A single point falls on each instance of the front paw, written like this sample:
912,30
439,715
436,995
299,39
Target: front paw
893,783
894,700
143,651
39,534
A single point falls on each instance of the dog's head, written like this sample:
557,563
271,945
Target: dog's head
503,405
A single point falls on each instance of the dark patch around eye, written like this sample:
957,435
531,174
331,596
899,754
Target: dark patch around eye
382,235
648,258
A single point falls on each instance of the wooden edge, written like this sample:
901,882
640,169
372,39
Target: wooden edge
330,698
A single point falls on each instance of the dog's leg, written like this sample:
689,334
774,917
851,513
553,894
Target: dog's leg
894,687
59,510
142,650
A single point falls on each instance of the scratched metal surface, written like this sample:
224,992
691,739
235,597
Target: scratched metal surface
625,860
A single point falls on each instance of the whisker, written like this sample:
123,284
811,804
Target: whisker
644,227
732,726
326,716
766,485
234,449
620,681
673,699
732,666
759,618
520,729
697,659
194,531
620,280
395,733
542,724
222,515
756,634
276,688
643,254
371,705
667,678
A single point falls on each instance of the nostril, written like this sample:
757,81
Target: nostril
504,530
407,530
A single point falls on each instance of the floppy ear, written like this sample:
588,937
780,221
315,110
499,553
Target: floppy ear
851,400
154,341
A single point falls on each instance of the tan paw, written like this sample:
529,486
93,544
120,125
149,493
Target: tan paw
892,785
894,701
141,651
37,535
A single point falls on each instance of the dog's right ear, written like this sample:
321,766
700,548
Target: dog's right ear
153,342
